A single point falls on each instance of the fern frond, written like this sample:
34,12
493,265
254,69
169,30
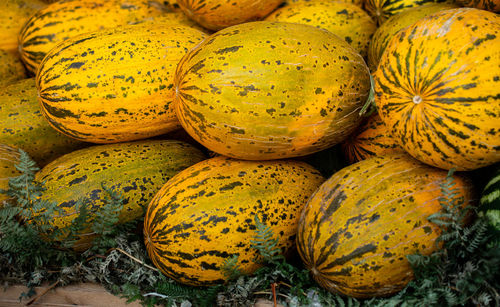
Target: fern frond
265,242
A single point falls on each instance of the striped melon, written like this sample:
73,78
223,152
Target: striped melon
11,68
371,139
381,10
9,158
489,5
24,126
394,24
269,90
13,15
206,214
135,170
438,89
357,229
216,14
65,19
346,20
114,85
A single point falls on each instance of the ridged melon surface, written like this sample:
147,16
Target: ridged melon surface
437,89
357,229
24,126
206,215
270,90
135,170
115,85
66,19
9,157
349,21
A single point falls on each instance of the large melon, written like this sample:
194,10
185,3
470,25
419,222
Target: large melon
269,90
216,14
438,89
346,20
135,170
357,229
24,126
205,215
115,85
66,19
396,23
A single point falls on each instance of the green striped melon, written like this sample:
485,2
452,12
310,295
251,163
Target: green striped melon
24,126
205,215
269,90
356,230
135,170
115,85
437,89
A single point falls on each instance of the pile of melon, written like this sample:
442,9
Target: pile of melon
98,91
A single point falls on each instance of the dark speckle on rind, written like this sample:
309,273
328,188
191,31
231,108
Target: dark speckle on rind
76,65
77,180
228,49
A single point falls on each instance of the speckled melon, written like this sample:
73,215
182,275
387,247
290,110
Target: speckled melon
115,85
437,89
24,126
372,138
13,15
217,14
9,157
66,19
135,170
205,215
358,228
394,24
11,67
346,20
269,90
